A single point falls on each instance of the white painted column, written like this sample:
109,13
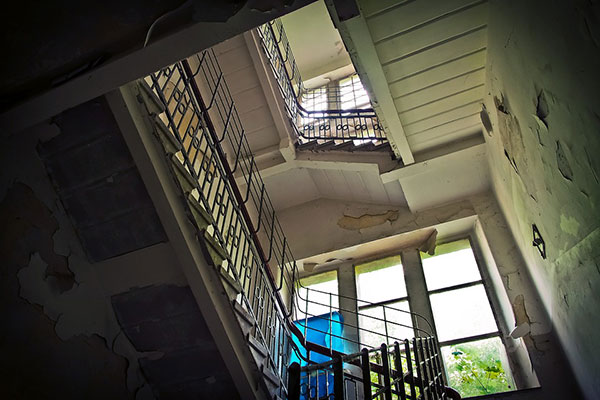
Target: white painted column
347,287
417,291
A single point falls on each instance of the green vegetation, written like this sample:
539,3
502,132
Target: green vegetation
475,368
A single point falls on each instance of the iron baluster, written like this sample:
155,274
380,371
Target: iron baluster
387,393
365,364
410,368
399,371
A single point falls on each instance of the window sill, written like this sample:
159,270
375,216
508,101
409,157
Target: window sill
525,394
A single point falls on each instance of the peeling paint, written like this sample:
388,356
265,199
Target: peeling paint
563,162
26,216
367,220
521,315
541,108
569,225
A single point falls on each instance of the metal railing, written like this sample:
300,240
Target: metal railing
410,369
208,147
362,336
328,119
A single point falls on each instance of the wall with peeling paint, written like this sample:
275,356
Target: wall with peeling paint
60,337
324,225
542,100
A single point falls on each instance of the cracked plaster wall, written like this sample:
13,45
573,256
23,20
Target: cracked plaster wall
60,338
543,103
314,228
518,302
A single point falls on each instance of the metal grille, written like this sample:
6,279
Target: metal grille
410,369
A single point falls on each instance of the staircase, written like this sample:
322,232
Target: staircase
197,125
330,122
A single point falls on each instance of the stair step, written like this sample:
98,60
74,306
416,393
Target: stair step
270,375
369,146
325,146
187,181
216,251
234,287
257,346
243,313
344,146
169,142
308,145
201,216
155,105
383,147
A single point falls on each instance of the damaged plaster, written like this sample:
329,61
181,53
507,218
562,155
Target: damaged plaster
61,338
366,221
550,78
29,218
321,233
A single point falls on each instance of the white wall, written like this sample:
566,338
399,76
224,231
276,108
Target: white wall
542,98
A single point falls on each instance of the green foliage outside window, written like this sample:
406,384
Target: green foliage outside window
476,368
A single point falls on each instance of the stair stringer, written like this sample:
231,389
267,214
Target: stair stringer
188,228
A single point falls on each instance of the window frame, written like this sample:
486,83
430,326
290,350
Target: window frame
490,294
303,312
459,286
382,303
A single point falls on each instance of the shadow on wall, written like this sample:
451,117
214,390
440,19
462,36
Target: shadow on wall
35,362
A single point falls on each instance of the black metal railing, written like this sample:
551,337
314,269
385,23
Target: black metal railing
207,144
352,333
322,113
410,369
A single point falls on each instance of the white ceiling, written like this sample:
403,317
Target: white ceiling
316,44
246,89
433,57
299,182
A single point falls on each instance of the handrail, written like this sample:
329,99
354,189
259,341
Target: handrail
406,369
331,123
200,114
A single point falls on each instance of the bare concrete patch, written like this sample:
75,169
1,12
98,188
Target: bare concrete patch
366,220
23,214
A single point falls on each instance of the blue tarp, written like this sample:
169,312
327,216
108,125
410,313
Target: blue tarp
326,332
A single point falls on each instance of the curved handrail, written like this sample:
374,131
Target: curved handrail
331,123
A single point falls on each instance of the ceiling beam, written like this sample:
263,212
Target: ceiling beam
357,38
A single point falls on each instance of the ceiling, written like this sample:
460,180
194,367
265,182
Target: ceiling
317,45
425,61
432,57
300,182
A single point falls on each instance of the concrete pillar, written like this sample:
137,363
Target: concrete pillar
417,291
347,287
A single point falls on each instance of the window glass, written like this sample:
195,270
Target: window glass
380,280
313,295
352,93
373,325
478,368
453,264
462,313
315,100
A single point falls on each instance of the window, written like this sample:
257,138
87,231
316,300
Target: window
320,299
315,100
345,94
448,286
382,291
473,353
352,93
